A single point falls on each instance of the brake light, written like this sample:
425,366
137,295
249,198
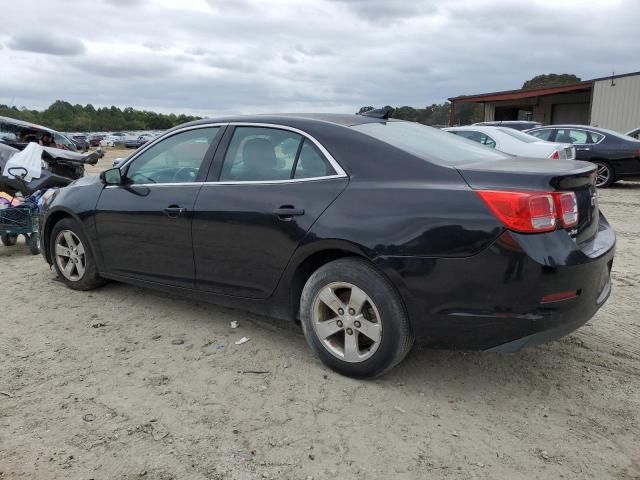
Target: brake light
525,212
567,207
555,155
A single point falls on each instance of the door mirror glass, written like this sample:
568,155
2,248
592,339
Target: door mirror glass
111,177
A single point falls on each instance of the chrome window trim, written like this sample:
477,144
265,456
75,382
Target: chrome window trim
340,173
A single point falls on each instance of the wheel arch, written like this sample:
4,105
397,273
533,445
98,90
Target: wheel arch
51,219
315,256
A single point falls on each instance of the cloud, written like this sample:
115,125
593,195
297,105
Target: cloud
386,11
250,56
47,43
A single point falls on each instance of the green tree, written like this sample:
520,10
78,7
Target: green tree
550,80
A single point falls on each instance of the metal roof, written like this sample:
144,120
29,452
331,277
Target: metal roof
520,94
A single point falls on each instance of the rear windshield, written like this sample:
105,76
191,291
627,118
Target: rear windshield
523,137
429,143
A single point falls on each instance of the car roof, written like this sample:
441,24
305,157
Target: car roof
568,125
343,119
23,124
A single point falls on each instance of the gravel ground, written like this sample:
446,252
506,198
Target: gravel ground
125,383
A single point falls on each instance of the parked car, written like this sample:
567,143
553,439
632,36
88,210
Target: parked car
18,134
137,141
116,139
94,140
634,133
514,142
81,141
515,124
617,156
372,232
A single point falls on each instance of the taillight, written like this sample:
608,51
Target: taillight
531,212
555,155
526,212
567,207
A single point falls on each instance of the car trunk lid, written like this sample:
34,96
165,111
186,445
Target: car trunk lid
519,174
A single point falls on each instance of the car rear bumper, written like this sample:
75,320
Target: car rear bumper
494,300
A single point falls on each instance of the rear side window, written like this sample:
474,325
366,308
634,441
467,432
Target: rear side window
428,143
542,134
478,137
311,163
258,154
517,134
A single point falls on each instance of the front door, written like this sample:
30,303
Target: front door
144,225
249,218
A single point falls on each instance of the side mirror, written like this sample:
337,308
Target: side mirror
113,176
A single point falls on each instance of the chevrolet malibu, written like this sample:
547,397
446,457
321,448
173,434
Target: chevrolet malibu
371,233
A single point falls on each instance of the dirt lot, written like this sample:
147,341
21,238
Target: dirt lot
124,383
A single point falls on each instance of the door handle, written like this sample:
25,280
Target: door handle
174,211
287,212
583,149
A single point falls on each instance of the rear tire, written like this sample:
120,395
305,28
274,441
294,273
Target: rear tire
354,319
72,256
9,240
605,175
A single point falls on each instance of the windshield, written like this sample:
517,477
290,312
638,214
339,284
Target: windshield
429,143
616,134
523,137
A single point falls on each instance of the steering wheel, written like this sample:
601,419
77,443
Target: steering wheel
185,174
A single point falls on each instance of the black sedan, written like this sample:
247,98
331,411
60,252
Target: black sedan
617,156
372,233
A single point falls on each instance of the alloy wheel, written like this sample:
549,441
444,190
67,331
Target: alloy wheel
603,175
347,322
70,255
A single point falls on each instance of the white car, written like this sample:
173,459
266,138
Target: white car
516,143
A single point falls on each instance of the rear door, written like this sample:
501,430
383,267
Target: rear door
268,188
144,226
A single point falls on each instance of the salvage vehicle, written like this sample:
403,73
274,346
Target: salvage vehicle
59,168
514,142
617,156
18,134
372,233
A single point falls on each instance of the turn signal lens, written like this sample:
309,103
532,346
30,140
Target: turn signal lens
555,155
567,206
525,212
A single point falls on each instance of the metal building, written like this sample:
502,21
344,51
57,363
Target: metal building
610,102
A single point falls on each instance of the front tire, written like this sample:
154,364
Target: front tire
72,256
353,319
605,175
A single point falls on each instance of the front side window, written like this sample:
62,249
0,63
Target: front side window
176,159
258,154
428,143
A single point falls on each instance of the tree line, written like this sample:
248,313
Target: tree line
437,114
65,117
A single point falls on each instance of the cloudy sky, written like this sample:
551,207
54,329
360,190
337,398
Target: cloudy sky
210,57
